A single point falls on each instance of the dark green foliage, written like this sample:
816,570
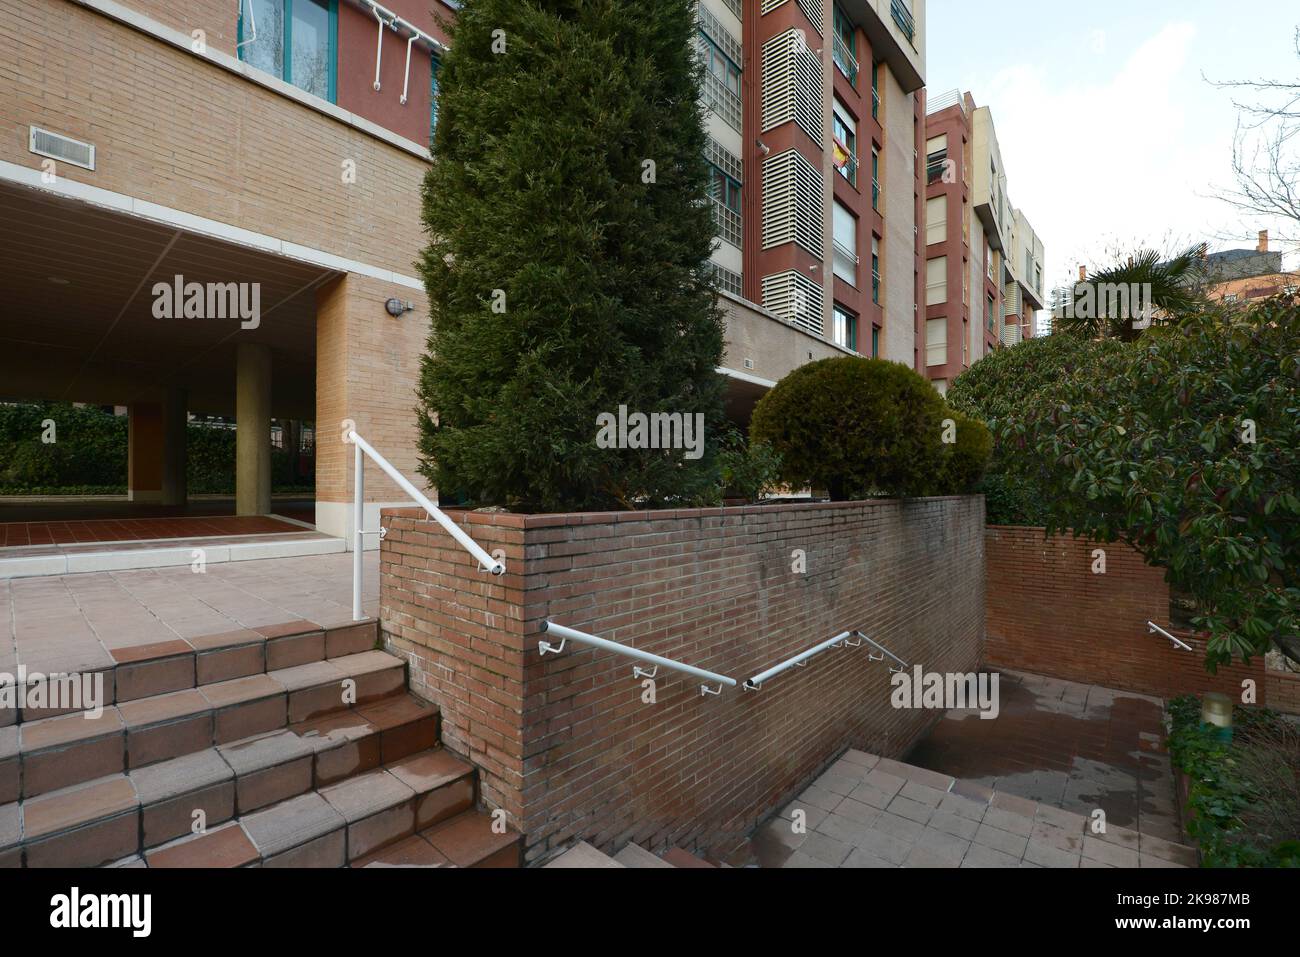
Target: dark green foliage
1004,384
538,189
967,457
855,427
90,449
747,470
89,456
1148,444
1242,801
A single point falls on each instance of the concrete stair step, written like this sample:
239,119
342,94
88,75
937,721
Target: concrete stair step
680,858
583,855
145,671
80,825
37,757
634,855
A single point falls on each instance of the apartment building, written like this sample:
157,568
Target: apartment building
983,260
815,113
223,146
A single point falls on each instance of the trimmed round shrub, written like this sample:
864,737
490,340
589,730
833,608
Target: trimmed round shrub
855,427
967,457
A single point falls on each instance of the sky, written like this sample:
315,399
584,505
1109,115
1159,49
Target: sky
1111,130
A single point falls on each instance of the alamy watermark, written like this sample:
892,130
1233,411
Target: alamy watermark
32,690
179,299
1129,302
935,690
656,430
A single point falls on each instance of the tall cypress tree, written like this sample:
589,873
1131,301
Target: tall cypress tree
567,264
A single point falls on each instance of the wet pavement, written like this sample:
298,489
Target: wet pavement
1066,745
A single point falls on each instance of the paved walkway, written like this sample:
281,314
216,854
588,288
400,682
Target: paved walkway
103,530
867,811
69,623
1072,746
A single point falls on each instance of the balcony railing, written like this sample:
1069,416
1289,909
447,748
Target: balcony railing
903,17
845,60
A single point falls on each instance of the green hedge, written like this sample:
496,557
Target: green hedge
1226,785
90,454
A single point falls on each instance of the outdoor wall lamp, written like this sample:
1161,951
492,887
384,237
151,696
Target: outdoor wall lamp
396,307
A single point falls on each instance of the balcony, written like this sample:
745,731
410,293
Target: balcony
903,17
845,60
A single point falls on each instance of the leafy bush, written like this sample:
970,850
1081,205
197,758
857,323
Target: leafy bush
1244,796
748,470
856,427
564,280
1003,385
966,458
1186,445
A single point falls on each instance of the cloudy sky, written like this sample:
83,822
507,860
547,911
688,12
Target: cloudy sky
1111,129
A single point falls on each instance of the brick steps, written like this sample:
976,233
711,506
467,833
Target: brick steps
583,855
680,858
416,812
38,757
122,813
145,671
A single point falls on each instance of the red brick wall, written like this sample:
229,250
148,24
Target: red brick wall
565,744
1049,614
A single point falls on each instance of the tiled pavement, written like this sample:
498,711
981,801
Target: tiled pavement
866,811
26,534
1067,745
78,623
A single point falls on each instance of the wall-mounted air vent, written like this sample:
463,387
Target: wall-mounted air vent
749,363
59,147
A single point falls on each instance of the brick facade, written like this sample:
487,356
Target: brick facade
1049,614
565,744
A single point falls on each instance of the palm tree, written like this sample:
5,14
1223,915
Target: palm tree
1121,301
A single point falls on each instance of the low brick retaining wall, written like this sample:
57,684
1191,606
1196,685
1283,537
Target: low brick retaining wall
1048,613
564,742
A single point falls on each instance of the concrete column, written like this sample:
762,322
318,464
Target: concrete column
253,429
144,457
174,420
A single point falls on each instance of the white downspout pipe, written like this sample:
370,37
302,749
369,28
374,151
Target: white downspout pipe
379,45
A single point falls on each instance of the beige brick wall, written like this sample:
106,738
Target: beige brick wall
179,131
367,367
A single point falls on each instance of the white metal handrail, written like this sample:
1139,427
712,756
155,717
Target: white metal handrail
756,682
582,637
883,652
1154,629
489,563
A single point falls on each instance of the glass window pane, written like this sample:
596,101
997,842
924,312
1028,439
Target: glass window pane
433,97
262,35
311,47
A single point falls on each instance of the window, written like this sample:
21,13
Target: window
725,193
846,328
875,179
718,64
936,159
936,342
875,270
936,281
845,258
875,91
844,49
936,220
875,342
433,96
306,29
989,307
846,143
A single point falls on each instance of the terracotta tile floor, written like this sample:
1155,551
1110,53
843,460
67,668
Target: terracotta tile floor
19,534
76,622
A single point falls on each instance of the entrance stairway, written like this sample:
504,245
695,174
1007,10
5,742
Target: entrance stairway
211,760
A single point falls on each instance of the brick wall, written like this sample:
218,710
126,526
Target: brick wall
1049,614
565,744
